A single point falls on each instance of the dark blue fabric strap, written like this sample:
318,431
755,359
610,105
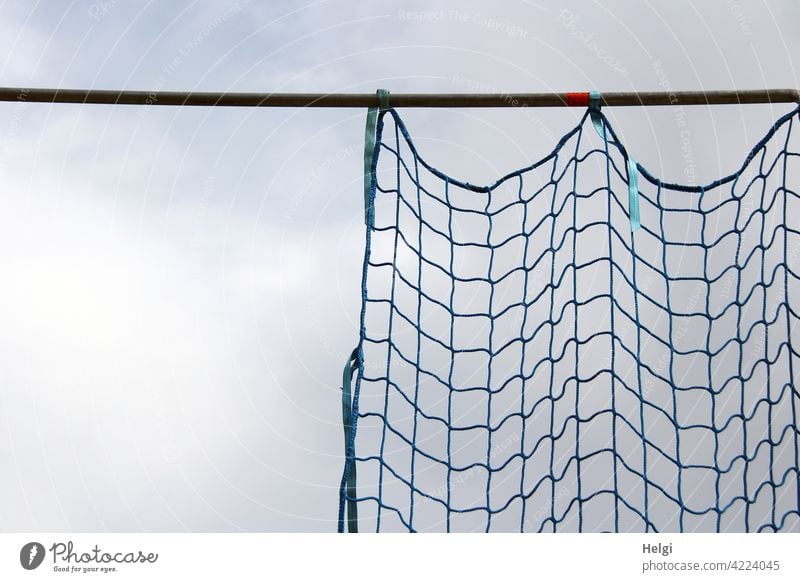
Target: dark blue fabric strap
347,422
349,483
369,148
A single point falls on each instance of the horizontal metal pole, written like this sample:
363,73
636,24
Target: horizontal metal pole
202,99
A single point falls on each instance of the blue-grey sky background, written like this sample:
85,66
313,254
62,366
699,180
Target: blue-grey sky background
181,286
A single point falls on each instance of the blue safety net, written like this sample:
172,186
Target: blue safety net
533,359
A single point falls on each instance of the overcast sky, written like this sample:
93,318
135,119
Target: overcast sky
181,286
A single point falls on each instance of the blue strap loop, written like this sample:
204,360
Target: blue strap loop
383,99
352,364
369,151
595,102
350,367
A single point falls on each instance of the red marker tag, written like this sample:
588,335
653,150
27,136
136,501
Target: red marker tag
577,99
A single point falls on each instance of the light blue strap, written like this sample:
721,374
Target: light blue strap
595,101
369,148
594,112
633,193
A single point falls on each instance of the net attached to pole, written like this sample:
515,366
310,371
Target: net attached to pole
532,360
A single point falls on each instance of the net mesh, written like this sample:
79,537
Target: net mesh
527,363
